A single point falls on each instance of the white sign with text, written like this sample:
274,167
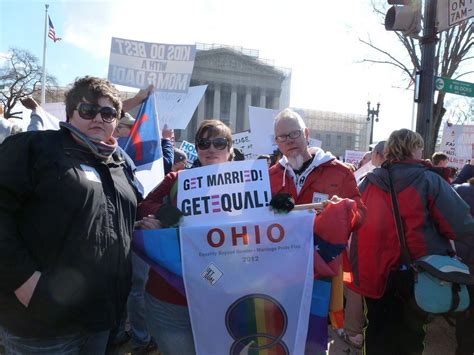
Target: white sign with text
243,142
191,153
248,284
456,143
228,192
138,64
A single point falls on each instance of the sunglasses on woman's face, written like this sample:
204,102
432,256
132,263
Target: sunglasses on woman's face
218,143
88,111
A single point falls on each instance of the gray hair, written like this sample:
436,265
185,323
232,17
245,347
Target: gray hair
288,113
379,147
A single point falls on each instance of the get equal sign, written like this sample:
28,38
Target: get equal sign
215,203
247,176
193,184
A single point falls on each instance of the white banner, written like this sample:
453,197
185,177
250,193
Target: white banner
177,109
227,192
456,143
249,284
137,64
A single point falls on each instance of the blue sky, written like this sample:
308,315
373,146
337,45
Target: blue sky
318,40
65,59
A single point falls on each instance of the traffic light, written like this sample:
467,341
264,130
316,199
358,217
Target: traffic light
404,16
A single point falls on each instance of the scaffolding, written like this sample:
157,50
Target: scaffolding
338,131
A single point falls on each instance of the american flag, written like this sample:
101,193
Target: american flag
52,32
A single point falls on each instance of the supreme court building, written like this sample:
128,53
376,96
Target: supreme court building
236,78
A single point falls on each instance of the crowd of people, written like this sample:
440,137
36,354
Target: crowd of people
69,204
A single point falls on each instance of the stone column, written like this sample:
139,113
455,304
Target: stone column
263,98
247,103
216,113
276,102
233,109
201,110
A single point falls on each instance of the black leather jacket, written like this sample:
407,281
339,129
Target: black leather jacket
70,216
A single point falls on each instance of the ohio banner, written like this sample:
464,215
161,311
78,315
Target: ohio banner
249,284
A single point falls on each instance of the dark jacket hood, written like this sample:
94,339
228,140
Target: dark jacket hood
403,174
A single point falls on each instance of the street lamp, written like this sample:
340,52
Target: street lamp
371,113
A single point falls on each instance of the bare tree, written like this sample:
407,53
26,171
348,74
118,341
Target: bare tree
453,51
21,77
461,111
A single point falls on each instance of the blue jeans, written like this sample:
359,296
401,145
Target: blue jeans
84,343
136,305
170,325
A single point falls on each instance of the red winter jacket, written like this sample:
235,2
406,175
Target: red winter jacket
324,178
431,212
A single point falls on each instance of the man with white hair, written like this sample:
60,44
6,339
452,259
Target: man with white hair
312,176
307,177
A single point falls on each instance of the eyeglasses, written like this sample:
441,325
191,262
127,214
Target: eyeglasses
88,111
292,135
218,143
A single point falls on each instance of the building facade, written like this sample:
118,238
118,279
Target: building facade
236,78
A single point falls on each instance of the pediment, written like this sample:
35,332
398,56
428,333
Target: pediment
233,61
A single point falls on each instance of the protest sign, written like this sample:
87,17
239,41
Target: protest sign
243,142
362,172
56,109
353,157
47,116
456,143
261,130
191,153
228,192
176,109
249,284
137,64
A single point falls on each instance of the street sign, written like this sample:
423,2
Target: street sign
452,12
454,86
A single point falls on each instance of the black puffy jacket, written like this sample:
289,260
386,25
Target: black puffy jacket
70,216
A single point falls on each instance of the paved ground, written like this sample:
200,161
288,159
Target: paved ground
440,340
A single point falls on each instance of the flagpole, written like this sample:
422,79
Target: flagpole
43,79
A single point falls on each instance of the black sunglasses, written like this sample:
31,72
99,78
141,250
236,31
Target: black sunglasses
88,111
218,143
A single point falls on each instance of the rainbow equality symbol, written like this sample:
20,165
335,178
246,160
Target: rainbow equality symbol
257,323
